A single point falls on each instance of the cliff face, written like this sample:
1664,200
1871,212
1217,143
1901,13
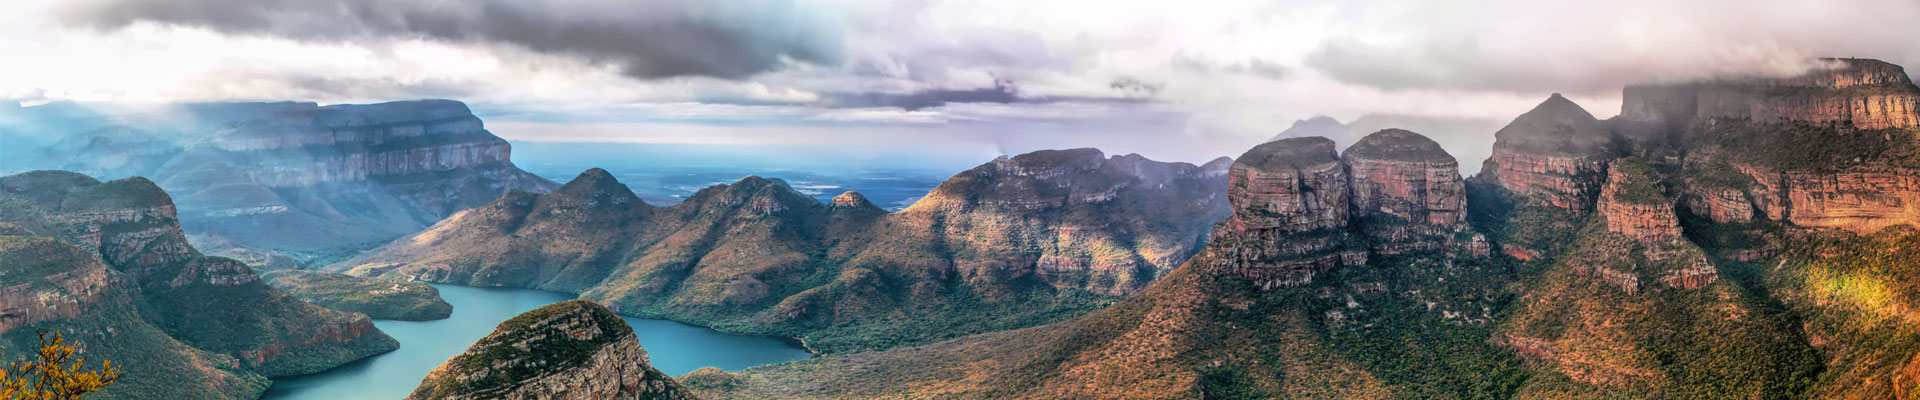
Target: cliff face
1556,153
1290,209
130,224
568,350
1857,93
1825,149
350,174
1407,191
55,286
1074,227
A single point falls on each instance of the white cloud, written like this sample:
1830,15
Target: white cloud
1216,77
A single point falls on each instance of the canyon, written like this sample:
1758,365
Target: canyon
1015,242
214,305
246,174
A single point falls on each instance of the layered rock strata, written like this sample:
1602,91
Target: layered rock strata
1407,192
1291,200
348,174
130,224
1556,153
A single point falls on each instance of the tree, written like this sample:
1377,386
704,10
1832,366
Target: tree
51,377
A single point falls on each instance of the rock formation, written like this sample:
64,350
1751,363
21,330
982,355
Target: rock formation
1067,224
379,299
1291,200
1556,154
1407,191
130,224
1634,205
350,175
569,350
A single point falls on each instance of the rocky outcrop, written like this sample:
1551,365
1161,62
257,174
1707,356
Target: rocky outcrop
568,350
1290,185
1633,204
1407,193
1556,154
1291,200
1863,200
347,174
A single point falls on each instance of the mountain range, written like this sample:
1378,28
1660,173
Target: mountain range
1016,242
282,184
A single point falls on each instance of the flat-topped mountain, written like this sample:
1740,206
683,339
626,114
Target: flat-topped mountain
1016,242
265,181
212,304
569,350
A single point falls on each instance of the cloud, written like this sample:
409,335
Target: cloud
1001,92
1598,47
652,39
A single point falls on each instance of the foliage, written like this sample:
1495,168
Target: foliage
51,377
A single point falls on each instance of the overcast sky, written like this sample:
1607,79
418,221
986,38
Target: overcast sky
1181,80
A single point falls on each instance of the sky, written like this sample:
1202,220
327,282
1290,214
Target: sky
1172,80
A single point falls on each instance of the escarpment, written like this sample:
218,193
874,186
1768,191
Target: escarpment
349,175
130,225
569,350
1071,228
1556,154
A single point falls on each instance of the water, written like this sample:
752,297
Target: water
674,348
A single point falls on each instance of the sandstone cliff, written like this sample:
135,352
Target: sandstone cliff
1407,192
1556,154
569,350
1015,242
51,285
349,175
130,224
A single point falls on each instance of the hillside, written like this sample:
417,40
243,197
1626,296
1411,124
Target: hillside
569,350
211,303
1017,242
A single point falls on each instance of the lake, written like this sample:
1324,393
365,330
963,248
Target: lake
673,348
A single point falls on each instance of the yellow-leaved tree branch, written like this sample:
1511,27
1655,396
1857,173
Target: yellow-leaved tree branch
50,377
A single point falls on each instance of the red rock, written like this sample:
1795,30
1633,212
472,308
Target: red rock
1291,185
1647,216
1555,153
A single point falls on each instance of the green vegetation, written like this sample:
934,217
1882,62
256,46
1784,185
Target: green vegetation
1860,295
1809,147
377,298
1636,182
550,340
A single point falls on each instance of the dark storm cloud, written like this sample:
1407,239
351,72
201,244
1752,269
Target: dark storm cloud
646,39
1002,92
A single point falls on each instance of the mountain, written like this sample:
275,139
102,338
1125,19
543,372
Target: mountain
1017,242
1463,137
281,184
1287,300
1729,238
212,304
56,286
569,350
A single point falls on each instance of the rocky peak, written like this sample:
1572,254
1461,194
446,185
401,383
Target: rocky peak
1407,191
1294,184
1319,125
575,349
594,187
1555,153
1557,126
1218,166
1290,207
851,200
1842,73
1051,163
